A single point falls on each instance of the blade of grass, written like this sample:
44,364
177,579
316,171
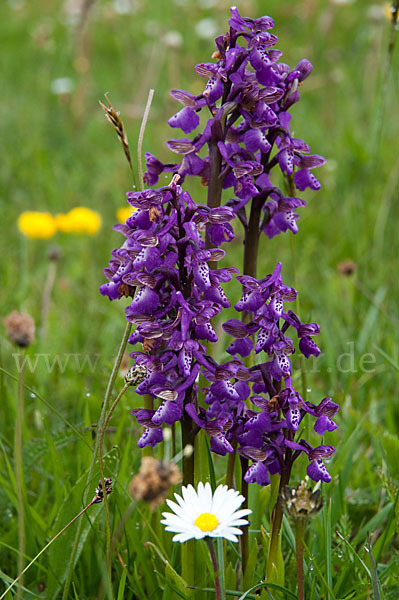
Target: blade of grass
327,538
50,407
374,574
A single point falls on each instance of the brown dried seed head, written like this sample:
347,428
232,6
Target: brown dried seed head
153,481
136,374
302,502
347,267
99,497
20,328
54,253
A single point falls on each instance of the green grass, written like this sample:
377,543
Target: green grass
59,152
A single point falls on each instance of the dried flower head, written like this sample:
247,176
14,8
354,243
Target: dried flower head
347,267
20,328
54,253
302,502
153,481
99,497
136,374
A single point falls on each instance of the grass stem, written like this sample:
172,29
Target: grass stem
101,465
19,477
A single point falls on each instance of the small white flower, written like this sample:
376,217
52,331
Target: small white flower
200,513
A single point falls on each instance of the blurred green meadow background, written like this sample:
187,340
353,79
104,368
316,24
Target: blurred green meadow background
58,58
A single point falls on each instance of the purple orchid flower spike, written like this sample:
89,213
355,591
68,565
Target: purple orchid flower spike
172,265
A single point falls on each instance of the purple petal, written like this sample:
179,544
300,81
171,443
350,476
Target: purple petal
308,347
257,473
220,445
150,437
305,179
169,412
318,471
186,119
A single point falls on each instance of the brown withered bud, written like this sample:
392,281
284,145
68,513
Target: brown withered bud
136,374
217,55
54,253
302,502
99,497
154,213
148,344
125,290
153,481
273,404
347,267
20,328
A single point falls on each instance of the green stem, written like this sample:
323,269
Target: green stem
17,579
215,182
215,565
46,297
245,531
300,527
252,237
19,476
187,440
230,465
275,563
384,84
101,465
103,414
188,549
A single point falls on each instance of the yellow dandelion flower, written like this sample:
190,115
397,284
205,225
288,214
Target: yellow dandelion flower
37,225
124,213
79,220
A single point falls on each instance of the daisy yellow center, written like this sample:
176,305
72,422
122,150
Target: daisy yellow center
206,522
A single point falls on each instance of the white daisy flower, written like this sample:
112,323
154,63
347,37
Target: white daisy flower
200,513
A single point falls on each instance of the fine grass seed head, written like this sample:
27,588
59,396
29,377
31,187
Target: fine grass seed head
99,497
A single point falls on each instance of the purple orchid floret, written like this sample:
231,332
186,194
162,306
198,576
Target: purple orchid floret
248,94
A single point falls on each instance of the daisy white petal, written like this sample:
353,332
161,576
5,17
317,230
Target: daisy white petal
201,513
